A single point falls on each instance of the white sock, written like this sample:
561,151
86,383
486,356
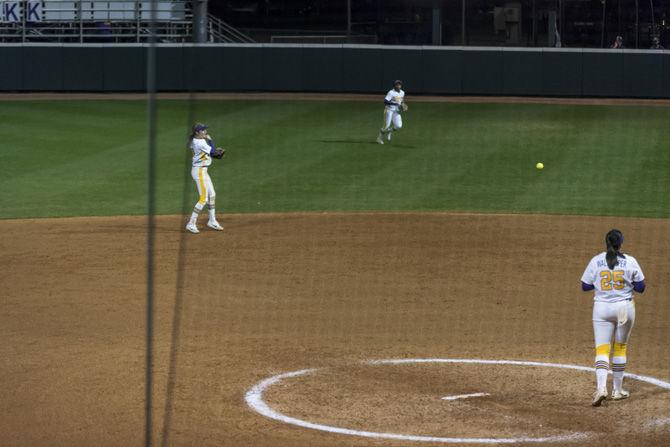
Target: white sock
602,367
618,367
212,214
196,212
601,379
617,382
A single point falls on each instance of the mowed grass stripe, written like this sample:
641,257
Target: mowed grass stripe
89,158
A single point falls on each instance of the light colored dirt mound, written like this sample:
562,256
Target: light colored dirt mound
276,293
517,401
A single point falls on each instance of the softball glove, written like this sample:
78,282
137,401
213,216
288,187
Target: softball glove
218,152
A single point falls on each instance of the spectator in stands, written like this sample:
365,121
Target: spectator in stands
618,43
656,44
104,31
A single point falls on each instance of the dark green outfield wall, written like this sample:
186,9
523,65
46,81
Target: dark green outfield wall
337,68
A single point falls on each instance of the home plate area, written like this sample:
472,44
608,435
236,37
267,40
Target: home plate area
459,401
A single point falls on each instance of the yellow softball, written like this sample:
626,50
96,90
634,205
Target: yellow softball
540,165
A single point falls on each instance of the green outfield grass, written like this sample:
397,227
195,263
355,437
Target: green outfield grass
67,158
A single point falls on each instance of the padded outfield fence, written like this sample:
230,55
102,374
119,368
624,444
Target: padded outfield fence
338,68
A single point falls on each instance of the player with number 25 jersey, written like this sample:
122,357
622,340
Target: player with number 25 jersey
614,276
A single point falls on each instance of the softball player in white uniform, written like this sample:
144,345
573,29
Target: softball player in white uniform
394,104
203,149
614,276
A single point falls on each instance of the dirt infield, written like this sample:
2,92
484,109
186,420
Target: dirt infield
278,293
299,96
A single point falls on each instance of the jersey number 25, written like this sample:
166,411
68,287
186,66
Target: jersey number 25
609,280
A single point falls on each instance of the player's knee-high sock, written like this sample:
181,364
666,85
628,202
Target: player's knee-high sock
210,206
618,365
196,211
602,365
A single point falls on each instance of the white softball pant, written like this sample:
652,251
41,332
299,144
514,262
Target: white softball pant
392,117
612,319
206,193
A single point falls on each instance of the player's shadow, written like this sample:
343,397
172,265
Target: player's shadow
364,142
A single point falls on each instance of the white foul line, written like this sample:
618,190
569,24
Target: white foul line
465,396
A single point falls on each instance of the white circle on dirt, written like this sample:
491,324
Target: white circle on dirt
254,398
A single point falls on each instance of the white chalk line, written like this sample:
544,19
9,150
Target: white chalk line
254,398
651,380
657,422
465,396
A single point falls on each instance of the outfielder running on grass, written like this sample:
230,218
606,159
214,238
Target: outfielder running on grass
394,105
203,147
615,277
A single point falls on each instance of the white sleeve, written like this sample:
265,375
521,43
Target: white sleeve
636,272
200,145
589,276
389,96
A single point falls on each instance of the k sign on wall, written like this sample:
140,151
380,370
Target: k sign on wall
11,11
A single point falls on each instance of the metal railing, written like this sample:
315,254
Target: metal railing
220,31
106,22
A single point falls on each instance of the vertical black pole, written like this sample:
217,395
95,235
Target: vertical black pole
24,11
380,20
534,33
653,19
602,28
463,23
179,287
81,23
637,23
200,21
151,195
437,23
561,20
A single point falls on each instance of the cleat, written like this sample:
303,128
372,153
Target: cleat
620,395
379,139
192,228
599,397
214,225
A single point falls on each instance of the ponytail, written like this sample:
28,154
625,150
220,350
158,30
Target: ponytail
190,140
611,257
613,239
